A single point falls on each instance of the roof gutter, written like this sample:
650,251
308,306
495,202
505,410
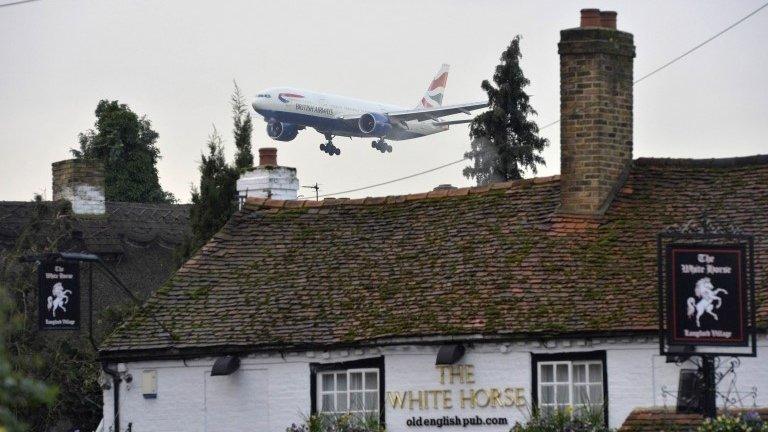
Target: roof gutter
219,350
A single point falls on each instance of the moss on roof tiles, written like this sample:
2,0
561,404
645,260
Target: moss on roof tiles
498,262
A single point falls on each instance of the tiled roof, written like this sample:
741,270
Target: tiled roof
139,223
496,261
667,420
136,240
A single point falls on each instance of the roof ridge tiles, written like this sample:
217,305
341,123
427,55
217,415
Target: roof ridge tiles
731,162
261,203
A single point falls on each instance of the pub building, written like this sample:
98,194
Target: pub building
467,307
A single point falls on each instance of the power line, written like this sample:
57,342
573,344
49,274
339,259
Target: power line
395,180
416,174
680,57
701,44
653,72
16,3
549,124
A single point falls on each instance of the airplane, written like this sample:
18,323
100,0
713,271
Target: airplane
289,110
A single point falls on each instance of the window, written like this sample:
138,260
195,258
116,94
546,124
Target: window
574,381
578,385
355,387
350,391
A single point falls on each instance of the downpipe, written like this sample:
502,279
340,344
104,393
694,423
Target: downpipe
116,392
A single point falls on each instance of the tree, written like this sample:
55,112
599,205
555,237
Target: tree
214,201
17,391
504,141
243,127
127,146
66,363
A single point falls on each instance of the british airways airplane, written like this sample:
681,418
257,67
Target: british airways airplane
289,110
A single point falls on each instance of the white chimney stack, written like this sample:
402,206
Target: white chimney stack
269,180
81,182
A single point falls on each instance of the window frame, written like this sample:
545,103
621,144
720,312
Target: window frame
363,365
570,358
347,373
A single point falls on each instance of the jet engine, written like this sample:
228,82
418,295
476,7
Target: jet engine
282,131
374,124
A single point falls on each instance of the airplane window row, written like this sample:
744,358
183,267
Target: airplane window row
263,95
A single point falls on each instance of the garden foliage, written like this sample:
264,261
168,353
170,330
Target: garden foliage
748,422
564,421
338,423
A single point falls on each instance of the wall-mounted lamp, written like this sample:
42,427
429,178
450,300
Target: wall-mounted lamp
449,354
225,365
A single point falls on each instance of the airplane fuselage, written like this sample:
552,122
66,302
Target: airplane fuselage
333,115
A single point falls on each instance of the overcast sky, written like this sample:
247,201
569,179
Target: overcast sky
175,61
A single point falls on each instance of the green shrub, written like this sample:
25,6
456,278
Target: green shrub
564,421
338,423
748,422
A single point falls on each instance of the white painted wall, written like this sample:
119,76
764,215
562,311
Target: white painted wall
270,391
278,183
85,199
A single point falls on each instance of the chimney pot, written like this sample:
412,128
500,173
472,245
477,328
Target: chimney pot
608,19
591,18
267,156
444,186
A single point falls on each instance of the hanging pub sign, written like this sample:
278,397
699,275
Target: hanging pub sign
58,299
707,294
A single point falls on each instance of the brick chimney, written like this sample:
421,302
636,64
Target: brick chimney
596,112
81,182
268,180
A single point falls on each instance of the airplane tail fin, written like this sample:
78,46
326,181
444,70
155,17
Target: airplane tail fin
433,97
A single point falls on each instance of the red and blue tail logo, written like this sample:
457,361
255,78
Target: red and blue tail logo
433,97
286,97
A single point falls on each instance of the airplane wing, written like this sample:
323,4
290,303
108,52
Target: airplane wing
436,112
424,114
451,122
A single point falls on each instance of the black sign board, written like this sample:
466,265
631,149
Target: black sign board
58,302
707,295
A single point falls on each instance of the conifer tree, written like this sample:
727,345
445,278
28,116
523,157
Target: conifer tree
243,127
214,201
127,146
504,141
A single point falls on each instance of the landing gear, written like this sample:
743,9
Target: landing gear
381,146
329,148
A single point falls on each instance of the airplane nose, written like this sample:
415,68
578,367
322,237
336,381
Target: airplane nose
259,106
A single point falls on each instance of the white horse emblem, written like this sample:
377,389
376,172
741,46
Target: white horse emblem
58,298
709,301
